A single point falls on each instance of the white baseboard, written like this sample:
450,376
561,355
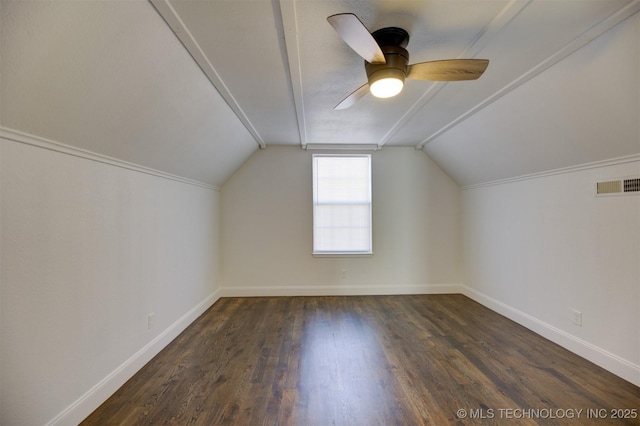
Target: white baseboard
339,290
95,396
610,362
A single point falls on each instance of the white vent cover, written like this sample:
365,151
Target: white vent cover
619,186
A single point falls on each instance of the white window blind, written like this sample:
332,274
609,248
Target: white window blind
342,204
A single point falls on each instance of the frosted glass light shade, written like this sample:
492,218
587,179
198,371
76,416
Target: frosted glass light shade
386,87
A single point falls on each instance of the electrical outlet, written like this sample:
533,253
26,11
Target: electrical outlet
577,317
151,319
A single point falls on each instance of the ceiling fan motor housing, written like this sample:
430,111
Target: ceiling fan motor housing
392,42
396,67
391,36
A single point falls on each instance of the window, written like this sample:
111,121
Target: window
342,204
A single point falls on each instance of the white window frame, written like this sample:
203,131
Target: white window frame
337,252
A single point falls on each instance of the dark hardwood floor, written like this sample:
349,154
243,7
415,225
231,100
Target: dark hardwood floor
371,360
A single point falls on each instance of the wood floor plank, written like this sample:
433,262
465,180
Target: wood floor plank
364,360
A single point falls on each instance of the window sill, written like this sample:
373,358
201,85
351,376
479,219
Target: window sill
338,254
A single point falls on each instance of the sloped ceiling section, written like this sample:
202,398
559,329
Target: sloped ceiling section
586,109
111,78
194,87
279,60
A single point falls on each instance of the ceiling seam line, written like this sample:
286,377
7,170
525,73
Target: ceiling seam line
506,15
500,21
290,33
577,43
165,5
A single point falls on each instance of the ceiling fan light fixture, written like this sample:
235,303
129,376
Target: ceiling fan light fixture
386,87
386,60
386,83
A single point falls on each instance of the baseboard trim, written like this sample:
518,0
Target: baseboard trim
87,403
610,362
339,290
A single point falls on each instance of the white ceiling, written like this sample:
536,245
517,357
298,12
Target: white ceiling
113,78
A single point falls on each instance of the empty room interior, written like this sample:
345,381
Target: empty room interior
211,212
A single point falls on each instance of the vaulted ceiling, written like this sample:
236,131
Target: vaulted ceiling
194,87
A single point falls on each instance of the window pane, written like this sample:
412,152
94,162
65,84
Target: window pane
342,203
343,179
342,215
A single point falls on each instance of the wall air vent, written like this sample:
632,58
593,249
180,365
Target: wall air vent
609,187
632,185
619,186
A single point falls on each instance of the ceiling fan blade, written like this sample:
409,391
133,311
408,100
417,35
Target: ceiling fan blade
357,36
354,97
448,70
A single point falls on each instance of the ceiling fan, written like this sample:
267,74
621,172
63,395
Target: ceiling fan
386,60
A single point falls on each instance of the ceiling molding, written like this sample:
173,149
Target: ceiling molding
343,146
506,15
171,17
580,41
290,25
40,142
564,170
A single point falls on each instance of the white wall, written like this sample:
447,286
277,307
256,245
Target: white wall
267,229
536,249
88,250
